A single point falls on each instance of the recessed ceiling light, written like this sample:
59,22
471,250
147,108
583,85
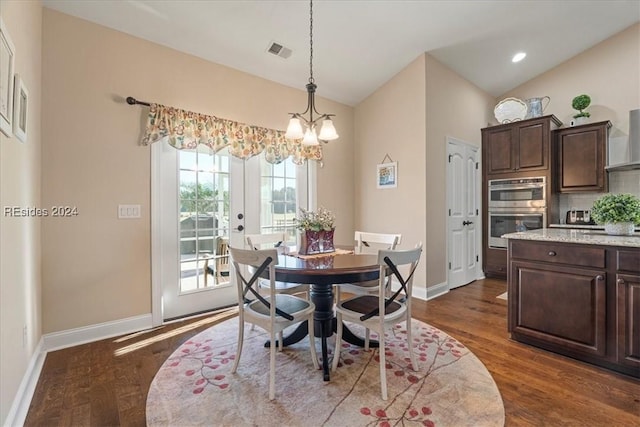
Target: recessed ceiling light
518,57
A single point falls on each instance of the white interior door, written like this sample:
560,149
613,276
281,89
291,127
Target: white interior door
463,191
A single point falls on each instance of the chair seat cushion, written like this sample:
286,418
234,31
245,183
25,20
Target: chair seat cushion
287,303
366,303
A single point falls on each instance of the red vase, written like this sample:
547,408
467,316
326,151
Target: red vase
326,241
309,242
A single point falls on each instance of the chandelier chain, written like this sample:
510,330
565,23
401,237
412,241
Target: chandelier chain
311,79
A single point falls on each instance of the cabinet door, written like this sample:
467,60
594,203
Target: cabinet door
498,146
561,306
581,159
532,146
628,315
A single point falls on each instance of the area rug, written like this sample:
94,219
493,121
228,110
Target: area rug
502,296
195,387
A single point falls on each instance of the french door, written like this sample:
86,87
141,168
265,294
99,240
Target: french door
202,203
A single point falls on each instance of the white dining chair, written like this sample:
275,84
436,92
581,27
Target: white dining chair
275,240
273,312
367,243
379,312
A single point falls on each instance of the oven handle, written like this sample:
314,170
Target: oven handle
517,187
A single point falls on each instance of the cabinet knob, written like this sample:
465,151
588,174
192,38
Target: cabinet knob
599,277
552,253
620,281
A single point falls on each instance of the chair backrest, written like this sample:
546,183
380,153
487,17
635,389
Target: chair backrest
222,256
372,242
266,241
248,265
390,263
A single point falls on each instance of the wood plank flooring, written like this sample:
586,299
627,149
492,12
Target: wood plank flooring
106,383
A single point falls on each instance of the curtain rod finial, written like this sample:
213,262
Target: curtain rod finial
131,100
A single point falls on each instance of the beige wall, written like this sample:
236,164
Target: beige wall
457,109
392,122
96,268
409,118
20,285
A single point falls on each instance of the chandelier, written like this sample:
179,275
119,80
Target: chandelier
294,130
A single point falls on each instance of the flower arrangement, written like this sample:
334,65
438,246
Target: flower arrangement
321,219
615,208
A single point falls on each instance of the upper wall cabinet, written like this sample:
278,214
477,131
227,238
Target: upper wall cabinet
581,158
518,147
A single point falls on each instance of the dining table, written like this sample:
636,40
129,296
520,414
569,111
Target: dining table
321,272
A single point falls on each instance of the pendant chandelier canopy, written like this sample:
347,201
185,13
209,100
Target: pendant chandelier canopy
309,135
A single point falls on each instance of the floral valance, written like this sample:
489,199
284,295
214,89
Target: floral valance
188,130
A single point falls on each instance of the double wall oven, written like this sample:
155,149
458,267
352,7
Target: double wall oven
517,204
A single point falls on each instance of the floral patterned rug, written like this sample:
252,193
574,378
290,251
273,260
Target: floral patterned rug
195,387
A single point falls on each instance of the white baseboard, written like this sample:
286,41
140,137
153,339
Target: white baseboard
20,406
436,290
99,331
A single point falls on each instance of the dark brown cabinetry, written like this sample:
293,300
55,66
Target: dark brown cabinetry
579,300
628,300
513,150
518,147
581,157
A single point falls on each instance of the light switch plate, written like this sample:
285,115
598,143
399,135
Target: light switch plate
128,211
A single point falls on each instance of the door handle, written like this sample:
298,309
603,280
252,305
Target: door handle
467,222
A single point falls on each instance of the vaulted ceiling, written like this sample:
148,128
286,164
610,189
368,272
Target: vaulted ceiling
359,45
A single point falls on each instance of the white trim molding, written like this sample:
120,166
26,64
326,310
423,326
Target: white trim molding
437,290
86,334
20,406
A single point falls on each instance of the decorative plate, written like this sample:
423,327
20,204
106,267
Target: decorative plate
510,110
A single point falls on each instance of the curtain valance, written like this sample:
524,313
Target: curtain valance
188,130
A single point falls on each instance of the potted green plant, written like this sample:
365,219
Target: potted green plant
618,212
580,103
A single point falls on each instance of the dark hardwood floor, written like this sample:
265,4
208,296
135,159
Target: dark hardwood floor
106,383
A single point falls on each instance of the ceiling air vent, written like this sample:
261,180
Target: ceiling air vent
279,50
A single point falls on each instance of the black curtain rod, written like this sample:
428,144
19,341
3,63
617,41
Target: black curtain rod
132,101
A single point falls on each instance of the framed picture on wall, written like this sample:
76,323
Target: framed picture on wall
20,108
387,175
7,54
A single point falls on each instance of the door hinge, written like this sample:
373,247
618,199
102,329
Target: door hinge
449,266
476,165
449,212
476,212
449,158
477,258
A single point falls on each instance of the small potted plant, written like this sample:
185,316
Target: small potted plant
580,103
618,212
316,231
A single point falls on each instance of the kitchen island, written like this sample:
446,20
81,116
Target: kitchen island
577,293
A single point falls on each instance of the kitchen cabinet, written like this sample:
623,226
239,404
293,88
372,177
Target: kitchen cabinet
581,157
579,300
628,308
518,147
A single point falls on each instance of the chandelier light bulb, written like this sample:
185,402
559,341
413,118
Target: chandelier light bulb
294,130
328,131
310,137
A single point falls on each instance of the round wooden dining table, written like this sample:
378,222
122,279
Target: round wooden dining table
322,272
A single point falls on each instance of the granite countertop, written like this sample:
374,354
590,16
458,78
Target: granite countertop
578,226
587,237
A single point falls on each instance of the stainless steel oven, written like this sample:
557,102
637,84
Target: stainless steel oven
517,193
510,220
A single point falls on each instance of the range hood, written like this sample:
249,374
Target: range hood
634,145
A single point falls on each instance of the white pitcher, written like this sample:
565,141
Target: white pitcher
535,107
